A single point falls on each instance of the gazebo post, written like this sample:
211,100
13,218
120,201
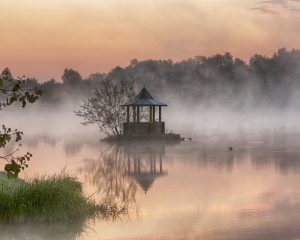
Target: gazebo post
134,114
159,113
138,113
153,114
150,114
128,116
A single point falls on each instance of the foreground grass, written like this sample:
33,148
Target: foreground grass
55,198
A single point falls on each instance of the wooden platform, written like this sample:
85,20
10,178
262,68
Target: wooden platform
167,138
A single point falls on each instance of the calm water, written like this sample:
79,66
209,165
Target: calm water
190,190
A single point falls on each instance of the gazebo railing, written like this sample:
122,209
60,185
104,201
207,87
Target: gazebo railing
143,128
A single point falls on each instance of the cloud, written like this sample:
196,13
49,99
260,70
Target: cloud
276,7
265,10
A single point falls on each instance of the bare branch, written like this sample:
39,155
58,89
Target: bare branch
105,108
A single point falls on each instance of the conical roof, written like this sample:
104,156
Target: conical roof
144,98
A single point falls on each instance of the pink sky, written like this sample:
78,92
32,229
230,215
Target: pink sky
40,38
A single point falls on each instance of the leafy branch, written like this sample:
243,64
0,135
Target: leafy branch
12,91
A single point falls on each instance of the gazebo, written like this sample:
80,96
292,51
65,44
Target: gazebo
134,126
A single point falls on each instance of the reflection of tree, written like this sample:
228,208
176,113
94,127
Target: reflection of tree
72,147
274,149
33,141
72,144
216,158
121,168
108,174
282,160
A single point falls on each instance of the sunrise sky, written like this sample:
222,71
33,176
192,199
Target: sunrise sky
40,38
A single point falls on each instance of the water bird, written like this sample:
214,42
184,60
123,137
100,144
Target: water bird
186,139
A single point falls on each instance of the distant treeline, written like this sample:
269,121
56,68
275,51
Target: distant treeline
219,79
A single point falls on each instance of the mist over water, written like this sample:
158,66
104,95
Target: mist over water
189,121
205,191
205,95
237,179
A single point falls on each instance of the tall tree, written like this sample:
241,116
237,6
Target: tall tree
71,77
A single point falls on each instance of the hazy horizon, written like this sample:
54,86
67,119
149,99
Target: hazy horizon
42,38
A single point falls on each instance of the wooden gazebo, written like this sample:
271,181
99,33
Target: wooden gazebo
134,126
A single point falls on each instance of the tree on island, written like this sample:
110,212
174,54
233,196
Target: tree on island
12,91
105,108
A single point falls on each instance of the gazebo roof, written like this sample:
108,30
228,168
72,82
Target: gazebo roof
144,98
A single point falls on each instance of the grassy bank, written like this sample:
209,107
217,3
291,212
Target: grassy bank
56,198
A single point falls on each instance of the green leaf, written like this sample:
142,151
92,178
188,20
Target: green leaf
12,169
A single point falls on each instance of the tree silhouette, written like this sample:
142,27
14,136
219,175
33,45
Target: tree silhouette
105,108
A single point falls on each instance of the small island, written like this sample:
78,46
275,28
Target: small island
136,129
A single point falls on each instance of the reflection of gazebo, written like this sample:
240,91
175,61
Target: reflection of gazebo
145,181
142,164
134,127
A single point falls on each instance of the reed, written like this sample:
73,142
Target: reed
56,198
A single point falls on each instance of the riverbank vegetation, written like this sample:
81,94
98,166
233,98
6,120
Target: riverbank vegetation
49,199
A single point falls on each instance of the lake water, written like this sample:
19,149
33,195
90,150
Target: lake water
188,190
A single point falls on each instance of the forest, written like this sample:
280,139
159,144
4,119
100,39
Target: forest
224,80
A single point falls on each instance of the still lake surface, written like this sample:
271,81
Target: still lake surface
189,190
